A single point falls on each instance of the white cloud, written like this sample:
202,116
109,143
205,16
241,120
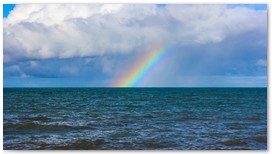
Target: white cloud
41,31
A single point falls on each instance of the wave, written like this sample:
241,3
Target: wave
35,126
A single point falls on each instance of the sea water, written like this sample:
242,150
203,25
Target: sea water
135,118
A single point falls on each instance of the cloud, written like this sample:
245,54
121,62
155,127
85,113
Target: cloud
43,31
15,71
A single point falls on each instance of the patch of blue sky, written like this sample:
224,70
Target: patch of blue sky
250,6
161,5
7,8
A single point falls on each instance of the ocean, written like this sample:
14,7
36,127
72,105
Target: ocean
135,118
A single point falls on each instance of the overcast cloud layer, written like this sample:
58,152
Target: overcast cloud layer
93,43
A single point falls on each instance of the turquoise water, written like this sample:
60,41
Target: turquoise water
135,118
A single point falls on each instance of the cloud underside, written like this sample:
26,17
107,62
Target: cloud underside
98,41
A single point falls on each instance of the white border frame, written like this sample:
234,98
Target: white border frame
269,92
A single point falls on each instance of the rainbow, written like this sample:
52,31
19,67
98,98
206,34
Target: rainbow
143,68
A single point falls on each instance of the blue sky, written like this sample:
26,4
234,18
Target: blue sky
72,45
254,7
7,8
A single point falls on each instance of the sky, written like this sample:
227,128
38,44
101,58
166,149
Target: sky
7,8
134,45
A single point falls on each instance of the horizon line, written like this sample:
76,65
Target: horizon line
138,87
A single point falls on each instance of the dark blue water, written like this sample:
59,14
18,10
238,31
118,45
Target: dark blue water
135,118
